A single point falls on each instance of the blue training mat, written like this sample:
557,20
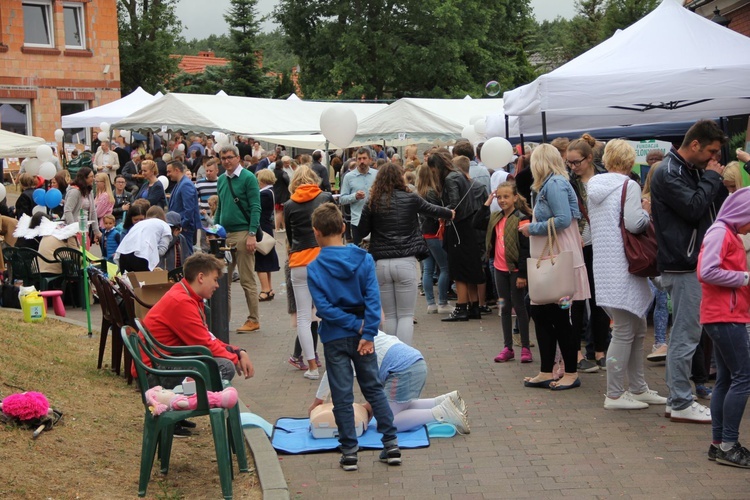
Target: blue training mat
292,436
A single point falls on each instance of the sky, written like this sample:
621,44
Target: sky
200,22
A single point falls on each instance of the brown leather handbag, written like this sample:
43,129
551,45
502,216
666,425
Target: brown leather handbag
640,249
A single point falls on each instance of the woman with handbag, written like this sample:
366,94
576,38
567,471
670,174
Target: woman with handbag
615,202
554,229
305,197
268,263
432,232
580,161
390,217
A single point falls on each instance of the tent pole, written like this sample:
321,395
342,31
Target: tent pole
724,124
507,132
523,144
544,126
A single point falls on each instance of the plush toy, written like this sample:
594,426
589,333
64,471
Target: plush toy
30,409
161,400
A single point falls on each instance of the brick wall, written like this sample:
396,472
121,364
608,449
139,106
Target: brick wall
740,20
48,75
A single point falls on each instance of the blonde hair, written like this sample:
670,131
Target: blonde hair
303,175
213,203
102,177
732,175
266,177
462,163
150,165
546,161
619,156
647,183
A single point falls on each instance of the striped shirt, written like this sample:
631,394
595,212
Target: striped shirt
205,189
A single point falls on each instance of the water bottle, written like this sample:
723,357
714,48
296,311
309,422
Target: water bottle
83,222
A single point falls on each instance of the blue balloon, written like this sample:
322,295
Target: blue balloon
52,198
39,196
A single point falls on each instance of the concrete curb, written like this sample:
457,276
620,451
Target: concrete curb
272,481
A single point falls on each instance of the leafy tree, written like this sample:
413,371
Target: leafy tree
216,43
210,81
276,54
285,86
620,14
246,76
148,30
380,49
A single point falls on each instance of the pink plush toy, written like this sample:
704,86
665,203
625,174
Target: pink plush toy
25,406
161,400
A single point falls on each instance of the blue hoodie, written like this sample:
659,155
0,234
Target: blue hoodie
345,291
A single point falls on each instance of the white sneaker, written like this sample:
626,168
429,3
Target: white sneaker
448,413
696,413
444,308
432,309
658,354
312,374
456,398
667,411
649,397
624,402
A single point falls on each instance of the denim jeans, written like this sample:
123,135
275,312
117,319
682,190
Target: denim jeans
340,355
732,354
685,335
440,258
661,314
397,279
512,298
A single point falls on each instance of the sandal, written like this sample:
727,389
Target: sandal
265,296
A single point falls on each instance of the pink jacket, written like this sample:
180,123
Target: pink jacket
722,269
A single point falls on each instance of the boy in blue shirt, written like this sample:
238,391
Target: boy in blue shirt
345,291
110,239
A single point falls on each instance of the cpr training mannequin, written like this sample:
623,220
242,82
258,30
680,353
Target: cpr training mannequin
161,400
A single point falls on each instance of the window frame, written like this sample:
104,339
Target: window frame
47,5
81,17
86,130
27,103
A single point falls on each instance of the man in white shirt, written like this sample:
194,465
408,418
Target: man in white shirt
107,161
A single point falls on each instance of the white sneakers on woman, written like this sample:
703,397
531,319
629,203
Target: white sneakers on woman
630,401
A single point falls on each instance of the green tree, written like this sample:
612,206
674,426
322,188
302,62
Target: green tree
276,54
246,76
285,86
216,43
619,14
148,30
210,81
380,49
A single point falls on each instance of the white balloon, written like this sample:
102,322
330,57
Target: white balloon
480,126
164,181
59,135
469,134
47,170
125,134
31,166
102,136
217,148
2,192
339,125
475,119
105,127
39,209
44,152
181,147
497,152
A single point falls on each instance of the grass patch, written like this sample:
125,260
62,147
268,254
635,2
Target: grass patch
94,452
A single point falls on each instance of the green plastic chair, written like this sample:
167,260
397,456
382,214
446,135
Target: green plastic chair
24,265
203,354
158,431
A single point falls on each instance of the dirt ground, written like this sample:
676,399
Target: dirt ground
94,452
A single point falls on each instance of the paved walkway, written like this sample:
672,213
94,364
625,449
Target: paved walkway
525,443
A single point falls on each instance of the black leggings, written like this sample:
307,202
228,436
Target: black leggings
552,326
130,263
599,321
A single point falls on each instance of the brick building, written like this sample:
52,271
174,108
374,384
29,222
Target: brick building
56,57
736,12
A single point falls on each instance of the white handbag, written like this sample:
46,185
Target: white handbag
265,245
551,278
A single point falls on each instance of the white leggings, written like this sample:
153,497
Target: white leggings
304,311
398,295
408,416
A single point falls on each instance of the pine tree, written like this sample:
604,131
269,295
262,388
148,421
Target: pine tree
246,77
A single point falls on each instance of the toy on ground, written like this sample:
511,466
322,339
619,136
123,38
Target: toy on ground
30,409
323,423
161,400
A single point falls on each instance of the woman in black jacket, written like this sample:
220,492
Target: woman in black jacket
460,240
25,203
390,217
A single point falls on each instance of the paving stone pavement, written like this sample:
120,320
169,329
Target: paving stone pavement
525,443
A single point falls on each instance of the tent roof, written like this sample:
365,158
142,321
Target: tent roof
672,65
111,111
237,115
17,145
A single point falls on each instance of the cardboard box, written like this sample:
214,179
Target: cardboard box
149,287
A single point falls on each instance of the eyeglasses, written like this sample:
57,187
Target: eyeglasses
227,158
575,163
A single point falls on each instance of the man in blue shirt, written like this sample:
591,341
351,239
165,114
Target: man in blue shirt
356,188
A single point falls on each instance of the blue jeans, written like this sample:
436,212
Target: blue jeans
732,353
439,257
340,355
685,335
661,314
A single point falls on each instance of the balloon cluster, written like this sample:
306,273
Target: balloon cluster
49,199
565,302
221,139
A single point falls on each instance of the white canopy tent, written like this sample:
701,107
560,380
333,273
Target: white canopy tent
111,111
236,115
672,65
17,145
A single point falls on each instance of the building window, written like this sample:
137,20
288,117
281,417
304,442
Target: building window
15,116
74,135
75,33
37,24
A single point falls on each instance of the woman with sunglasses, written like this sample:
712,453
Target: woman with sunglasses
580,161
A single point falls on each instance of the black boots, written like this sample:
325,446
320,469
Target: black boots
474,311
460,313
